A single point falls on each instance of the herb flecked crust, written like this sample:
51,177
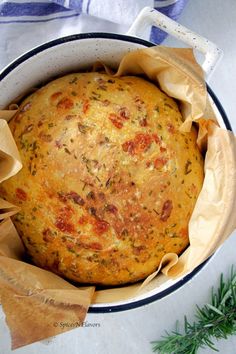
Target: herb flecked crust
109,182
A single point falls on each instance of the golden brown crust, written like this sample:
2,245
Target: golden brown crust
109,183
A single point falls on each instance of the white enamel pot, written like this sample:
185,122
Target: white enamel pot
79,51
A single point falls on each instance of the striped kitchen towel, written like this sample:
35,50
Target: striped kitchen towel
27,23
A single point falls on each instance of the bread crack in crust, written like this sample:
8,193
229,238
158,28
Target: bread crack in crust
108,183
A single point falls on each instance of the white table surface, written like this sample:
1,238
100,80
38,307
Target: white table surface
131,331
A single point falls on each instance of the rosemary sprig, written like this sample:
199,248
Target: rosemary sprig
214,320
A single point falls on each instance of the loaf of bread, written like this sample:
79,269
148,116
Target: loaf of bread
108,183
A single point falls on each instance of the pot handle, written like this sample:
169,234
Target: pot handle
151,17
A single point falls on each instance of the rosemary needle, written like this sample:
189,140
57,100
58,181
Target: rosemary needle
215,320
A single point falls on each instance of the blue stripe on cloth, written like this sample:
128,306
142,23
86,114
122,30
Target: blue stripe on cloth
45,20
71,4
76,5
11,9
59,2
157,36
173,11
88,5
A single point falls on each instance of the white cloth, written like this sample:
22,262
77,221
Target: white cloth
25,24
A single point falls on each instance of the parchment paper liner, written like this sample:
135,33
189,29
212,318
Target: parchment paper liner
34,299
